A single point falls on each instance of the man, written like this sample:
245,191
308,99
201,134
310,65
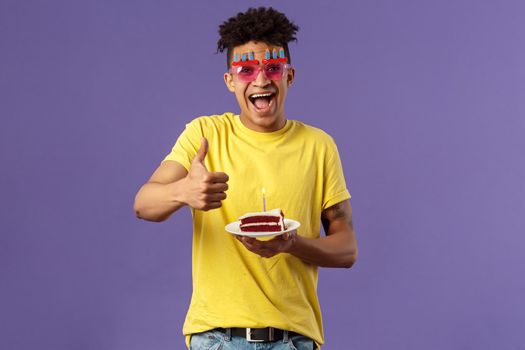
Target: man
245,290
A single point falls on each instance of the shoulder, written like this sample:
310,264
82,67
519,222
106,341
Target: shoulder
210,122
314,134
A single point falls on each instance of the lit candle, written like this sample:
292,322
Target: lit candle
264,198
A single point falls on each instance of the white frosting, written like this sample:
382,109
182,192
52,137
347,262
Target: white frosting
276,224
273,212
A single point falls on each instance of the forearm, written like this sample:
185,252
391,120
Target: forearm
335,250
157,201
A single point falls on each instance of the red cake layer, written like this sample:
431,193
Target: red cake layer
260,228
261,218
268,221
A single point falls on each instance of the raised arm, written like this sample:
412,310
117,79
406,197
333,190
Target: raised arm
162,195
171,187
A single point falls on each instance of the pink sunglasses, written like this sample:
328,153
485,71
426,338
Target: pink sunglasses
248,71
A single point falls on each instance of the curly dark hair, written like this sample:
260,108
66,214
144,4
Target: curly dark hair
256,24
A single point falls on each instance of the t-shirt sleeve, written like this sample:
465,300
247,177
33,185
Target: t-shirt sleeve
334,185
187,145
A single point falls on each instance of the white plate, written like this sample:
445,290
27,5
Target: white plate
233,227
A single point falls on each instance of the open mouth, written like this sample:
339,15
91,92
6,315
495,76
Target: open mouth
262,101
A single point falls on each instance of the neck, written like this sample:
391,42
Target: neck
277,124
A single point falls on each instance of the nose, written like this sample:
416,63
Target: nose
261,80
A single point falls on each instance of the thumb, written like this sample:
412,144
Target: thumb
201,153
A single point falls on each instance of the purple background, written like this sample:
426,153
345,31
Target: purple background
424,98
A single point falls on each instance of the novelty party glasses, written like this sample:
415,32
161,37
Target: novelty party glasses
249,72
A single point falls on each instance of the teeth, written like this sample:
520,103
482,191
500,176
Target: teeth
261,95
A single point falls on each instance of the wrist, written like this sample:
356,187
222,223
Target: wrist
176,191
291,247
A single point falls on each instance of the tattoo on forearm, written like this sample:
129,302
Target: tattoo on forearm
337,211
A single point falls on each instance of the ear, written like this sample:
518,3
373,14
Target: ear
290,77
228,80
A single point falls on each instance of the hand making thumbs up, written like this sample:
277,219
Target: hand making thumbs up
204,189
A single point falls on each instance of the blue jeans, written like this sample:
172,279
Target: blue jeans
215,340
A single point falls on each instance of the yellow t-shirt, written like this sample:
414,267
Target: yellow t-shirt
300,169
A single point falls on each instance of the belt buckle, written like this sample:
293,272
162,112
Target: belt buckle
249,336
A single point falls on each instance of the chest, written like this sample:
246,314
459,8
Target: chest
288,174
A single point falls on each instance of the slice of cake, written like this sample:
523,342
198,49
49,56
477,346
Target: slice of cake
265,221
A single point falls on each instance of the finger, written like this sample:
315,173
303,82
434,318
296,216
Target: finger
289,235
248,240
239,238
212,205
269,254
203,150
255,246
280,238
217,187
218,177
216,197
266,253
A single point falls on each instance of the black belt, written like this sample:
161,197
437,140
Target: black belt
257,334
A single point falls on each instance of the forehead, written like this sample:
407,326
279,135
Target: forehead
258,47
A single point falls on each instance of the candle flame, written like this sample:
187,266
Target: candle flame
264,190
